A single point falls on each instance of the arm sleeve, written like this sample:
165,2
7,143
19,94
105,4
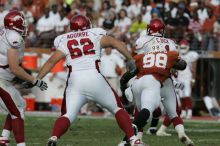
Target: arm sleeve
125,78
59,45
14,39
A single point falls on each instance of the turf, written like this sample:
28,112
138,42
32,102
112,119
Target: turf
104,132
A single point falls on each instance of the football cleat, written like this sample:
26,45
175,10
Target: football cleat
162,133
185,139
152,131
4,141
137,142
123,143
52,141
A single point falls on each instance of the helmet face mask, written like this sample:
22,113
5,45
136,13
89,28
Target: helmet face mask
183,46
80,23
156,28
15,20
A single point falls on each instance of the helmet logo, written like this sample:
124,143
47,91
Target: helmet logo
18,17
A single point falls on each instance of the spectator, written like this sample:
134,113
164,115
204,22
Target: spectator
182,25
134,9
195,28
146,11
122,25
202,11
217,33
104,12
137,26
28,16
62,25
3,12
54,14
208,40
112,66
45,30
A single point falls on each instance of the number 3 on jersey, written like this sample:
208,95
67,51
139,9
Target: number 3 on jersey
159,60
76,52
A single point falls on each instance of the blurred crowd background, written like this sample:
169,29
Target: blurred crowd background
197,21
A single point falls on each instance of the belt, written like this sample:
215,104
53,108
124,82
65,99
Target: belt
4,66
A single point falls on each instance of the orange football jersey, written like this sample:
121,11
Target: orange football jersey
157,64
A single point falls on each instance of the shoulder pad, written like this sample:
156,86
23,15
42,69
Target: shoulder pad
98,31
14,39
141,41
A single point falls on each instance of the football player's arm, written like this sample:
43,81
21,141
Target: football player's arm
108,41
125,78
180,64
14,66
51,62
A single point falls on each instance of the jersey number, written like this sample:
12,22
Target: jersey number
158,60
76,52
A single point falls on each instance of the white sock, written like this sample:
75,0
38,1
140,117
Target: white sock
183,114
189,113
6,133
140,135
21,144
180,129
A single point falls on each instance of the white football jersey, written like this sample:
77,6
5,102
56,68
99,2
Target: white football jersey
9,39
189,57
82,48
146,43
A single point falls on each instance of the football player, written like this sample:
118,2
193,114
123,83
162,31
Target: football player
186,77
82,47
11,53
156,56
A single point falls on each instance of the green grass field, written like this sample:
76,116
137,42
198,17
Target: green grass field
104,132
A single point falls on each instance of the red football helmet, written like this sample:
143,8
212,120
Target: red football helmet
80,22
156,28
15,20
183,46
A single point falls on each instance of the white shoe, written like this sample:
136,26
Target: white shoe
162,133
137,142
4,141
52,141
152,131
122,143
185,139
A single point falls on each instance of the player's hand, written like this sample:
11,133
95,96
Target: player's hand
178,85
41,84
131,66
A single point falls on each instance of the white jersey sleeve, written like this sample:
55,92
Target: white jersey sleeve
142,42
172,45
193,56
14,39
59,44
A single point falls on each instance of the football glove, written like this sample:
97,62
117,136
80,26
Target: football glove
178,85
131,66
39,83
